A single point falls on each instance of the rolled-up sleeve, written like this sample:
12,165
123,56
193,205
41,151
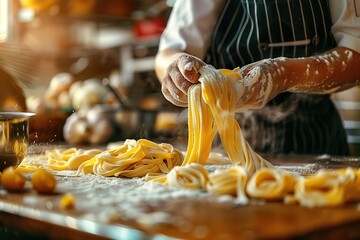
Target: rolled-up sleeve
190,26
346,23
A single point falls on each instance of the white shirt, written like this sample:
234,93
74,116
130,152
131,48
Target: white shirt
191,23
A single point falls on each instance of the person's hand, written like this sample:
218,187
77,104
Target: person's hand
262,81
179,76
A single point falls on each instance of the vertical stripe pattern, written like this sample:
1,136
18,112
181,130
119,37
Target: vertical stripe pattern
251,30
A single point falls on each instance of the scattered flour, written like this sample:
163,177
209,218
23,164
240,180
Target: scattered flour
349,54
336,54
110,198
253,77
307,72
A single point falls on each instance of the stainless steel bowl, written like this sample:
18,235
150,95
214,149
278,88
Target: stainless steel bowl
14,133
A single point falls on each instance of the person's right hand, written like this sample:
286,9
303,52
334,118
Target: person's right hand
179,76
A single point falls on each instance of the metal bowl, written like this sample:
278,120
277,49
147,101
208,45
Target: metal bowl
14,133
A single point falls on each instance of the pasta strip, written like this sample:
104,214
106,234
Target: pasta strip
131,159
230,181
201,128
191,176
328,188
271,184
219,91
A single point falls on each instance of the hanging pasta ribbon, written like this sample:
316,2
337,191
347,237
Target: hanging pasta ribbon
211,110
220,94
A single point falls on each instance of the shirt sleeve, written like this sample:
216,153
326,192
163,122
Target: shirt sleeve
346,23
190,26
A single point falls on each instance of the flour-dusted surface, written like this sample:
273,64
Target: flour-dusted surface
107,205
113,200
122,197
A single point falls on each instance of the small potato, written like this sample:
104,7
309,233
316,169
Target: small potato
12,180
43,181
67,201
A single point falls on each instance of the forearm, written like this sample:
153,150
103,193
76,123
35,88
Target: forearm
333,71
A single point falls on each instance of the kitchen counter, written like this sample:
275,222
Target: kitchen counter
119,208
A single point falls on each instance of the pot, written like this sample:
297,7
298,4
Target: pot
14,133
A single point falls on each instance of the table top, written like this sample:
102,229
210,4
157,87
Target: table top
120,208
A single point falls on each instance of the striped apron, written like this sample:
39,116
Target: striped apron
249,31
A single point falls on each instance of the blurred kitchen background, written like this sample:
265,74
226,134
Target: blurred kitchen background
91,61
87,71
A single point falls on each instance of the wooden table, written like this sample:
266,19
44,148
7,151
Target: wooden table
103,212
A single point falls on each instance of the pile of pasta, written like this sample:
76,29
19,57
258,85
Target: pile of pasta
211,111
131,159
325,188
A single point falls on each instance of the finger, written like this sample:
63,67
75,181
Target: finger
189,67
172,93
179,80
171,99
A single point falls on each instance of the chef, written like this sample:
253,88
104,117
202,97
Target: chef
292,54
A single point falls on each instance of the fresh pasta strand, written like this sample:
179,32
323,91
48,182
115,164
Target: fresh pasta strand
271,184
191,176
353,186
230,181
200,126
134,159
219,91
60,159
328,188
211,110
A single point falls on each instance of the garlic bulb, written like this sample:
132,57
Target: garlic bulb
90,93
59,83
88,126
